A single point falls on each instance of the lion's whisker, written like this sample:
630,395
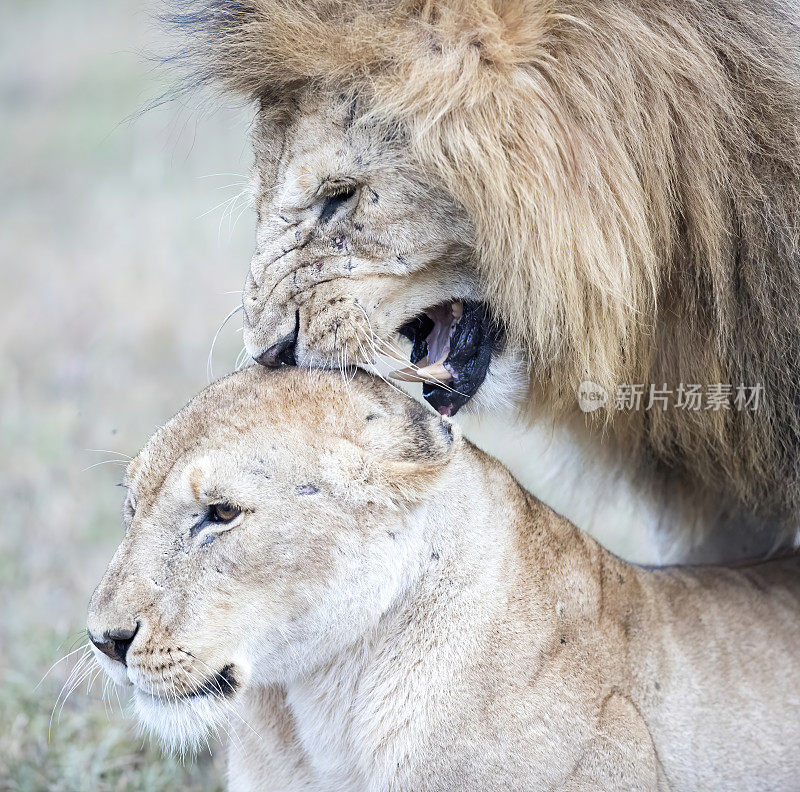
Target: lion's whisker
347,381
247,205
231,208
214,208
422,376
380,376
107,451
241,359
106,462
420,371
218,175
209,362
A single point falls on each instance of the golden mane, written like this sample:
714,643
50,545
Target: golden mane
632,171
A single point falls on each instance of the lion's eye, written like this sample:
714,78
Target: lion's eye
222,513
334,200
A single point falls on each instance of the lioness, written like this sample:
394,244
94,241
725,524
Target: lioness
366,601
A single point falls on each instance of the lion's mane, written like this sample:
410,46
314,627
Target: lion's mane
632,171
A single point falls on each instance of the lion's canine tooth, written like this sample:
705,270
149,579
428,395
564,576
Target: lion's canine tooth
458,309
436,372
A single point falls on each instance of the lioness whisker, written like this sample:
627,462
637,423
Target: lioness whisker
224,700
82,670
78,669
197,680
104,695
61,660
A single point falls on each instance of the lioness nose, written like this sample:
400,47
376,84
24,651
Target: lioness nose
281,352
115,643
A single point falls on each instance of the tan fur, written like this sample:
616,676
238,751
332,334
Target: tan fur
628,172
416,621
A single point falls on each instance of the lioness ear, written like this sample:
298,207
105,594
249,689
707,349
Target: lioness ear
413,446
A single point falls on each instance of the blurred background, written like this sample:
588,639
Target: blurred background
124,240
119,243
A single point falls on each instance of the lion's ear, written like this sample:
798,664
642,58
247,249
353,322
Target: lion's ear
413,446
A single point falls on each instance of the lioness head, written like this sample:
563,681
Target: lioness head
265,527
359,258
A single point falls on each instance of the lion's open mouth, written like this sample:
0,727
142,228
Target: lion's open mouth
452,349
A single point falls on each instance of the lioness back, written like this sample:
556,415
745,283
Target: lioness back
719,667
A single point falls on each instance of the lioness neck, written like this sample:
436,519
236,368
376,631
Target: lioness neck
517,624
477,600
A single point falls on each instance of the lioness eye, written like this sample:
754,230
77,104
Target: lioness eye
223,513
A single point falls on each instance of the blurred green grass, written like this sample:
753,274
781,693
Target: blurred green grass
114,283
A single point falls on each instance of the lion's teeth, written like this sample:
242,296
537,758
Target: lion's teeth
436,372
458,309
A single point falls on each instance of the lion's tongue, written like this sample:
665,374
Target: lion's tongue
444,317
455,344
472,341
430,335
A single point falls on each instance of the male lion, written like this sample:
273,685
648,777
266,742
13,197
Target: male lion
368,602
539,193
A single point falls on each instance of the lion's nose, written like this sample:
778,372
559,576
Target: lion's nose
282,352
115,643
